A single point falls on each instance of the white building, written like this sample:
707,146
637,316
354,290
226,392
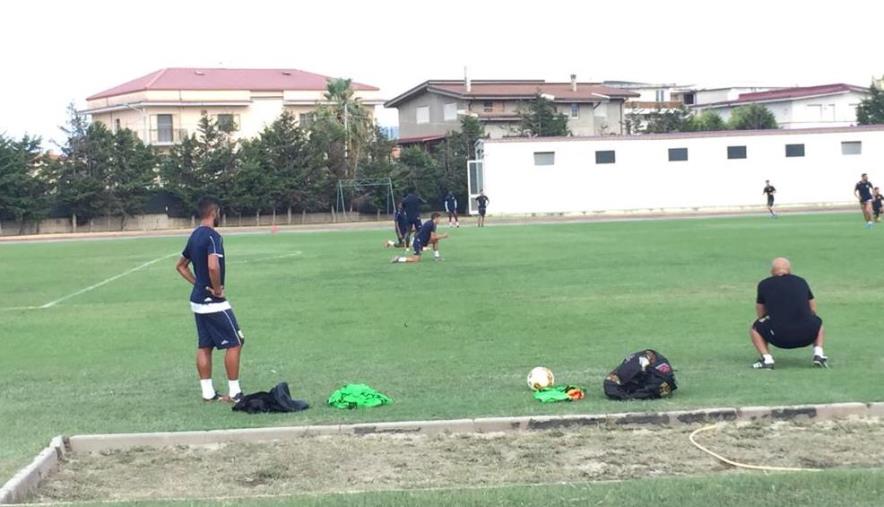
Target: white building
831,105
675,172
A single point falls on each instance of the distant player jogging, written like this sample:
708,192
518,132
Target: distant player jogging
451,208
877,201
215,323
426,237
769,191
482,202
863,191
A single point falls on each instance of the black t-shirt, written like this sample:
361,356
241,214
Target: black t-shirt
769,190
865,190
482,201
412,205
786,299
877,200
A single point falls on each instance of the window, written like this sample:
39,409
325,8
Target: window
450,111
575,110
660,95
794,150
488,106
226,122
736,152
678,154
852,148
305,120
604,157
164,128
689,98
422,114
544,158
117,125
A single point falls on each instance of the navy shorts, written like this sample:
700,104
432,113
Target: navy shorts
418,246
482,212
802,335
415,222
218,330
770,200
402,230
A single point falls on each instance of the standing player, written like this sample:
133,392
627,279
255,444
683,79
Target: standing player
863,191
400,226
215,324
412,206
451,208
425,237
877,200
769,190
482,201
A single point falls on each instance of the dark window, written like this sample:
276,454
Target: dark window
794,150
851,147
689,98
736,152
544,158
164,128
488,106
305,120
604,157
117,125
678,154
226,122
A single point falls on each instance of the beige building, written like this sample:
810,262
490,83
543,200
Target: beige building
433,108
165,106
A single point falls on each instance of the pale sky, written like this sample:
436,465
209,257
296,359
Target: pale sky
55,52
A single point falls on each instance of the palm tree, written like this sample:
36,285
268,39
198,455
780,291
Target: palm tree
350,114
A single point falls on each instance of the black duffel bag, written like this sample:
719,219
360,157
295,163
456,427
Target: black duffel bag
643,375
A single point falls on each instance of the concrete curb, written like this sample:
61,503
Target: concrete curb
22,484
121,441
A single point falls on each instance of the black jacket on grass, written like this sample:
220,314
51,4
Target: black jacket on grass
277,400
643,375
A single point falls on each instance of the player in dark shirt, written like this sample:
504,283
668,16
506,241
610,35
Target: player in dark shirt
787,316
400,227
425,237
769,190
451,208
215,323
412,205
877,200
482,202
863,192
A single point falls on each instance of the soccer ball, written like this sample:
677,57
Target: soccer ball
540,378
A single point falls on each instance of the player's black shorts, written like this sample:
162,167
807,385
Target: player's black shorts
770,200
402,229
481,212
415,222
799,336
218,330
418,246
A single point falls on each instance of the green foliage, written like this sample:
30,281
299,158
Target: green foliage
23,180
539,118
132,175
707,121
670,120
752,117
870,111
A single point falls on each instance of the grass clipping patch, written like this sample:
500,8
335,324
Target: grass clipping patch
327,464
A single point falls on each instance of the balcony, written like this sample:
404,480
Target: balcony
167,136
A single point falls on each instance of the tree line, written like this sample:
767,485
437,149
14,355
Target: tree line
286,168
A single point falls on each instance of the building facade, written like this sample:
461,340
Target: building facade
433,108
675,172
165,106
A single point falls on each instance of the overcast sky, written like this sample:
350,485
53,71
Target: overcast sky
55,52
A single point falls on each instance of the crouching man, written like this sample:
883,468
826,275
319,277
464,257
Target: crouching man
426,237
787,316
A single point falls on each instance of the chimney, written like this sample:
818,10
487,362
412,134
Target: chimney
467,84
573,82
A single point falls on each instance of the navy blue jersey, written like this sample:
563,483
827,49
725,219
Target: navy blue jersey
865,190
450,202
412,205
877,201
203,242
769,190
482,201
426,231
401,219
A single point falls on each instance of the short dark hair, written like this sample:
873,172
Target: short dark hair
435,215
206,205
863,174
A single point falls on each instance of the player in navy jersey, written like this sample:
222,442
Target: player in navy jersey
426,237
215,323
451,208
412,206
400,227
769,190
863,191
877,201
482,203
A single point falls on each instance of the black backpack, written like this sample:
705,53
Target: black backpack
643,375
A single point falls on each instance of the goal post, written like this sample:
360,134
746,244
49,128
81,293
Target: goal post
379,189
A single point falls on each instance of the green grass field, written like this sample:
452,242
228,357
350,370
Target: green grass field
444,340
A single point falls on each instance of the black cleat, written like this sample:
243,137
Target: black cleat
820,361
761,365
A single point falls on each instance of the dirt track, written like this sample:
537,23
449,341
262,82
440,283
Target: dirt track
379,462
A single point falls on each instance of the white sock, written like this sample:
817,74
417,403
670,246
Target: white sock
767,358
435,253
402,259
208,388
818,351
233,388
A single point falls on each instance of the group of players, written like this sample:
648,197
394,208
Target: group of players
870,199
407,222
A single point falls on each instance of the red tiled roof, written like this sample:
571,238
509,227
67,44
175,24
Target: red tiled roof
190,78
516,90
790,93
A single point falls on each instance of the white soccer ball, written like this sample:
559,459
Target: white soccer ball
540,378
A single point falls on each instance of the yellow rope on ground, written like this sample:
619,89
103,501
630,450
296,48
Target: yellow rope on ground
742,465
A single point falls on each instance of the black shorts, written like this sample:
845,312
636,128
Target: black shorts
802,335
217,330
481,212
415,223
770,199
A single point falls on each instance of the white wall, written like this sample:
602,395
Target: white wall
813,112
643,179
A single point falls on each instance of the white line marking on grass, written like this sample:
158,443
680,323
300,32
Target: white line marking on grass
106,281
265,259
